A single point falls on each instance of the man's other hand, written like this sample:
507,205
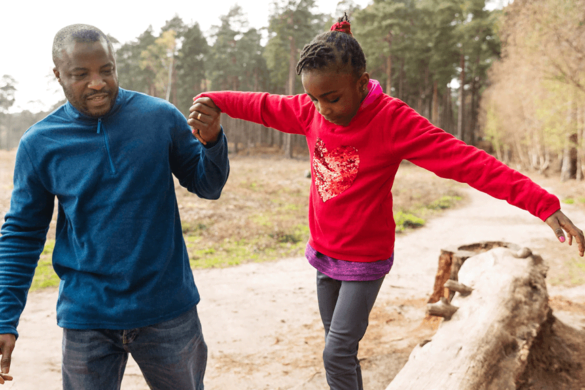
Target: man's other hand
204,119
7,342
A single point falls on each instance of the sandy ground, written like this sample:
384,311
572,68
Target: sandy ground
261,323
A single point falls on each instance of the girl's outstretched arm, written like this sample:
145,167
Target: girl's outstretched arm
289,114
415,139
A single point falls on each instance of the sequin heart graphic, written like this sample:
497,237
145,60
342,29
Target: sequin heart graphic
334,170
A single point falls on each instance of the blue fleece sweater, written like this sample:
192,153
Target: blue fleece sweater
119,248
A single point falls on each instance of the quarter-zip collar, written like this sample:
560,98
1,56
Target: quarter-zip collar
97,124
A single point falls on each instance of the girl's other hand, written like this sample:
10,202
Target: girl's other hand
204,119
560,224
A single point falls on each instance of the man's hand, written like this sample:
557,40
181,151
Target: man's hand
204,119
559,221
7,342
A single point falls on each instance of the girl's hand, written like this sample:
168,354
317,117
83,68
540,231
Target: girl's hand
204,119
559,221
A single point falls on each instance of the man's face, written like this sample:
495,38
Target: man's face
87,73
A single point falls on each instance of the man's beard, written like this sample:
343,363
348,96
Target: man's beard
81,106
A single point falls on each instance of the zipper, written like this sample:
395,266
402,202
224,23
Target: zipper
99,129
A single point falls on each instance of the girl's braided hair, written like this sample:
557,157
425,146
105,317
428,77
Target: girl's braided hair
336,48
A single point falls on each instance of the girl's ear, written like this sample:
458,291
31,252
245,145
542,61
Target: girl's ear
363,81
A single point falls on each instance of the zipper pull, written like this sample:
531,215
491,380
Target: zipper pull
99,125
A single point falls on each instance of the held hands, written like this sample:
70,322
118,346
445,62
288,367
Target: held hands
204,120
560,224
7,342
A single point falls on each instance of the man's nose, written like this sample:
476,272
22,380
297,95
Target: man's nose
97,83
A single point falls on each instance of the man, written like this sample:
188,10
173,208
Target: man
109,156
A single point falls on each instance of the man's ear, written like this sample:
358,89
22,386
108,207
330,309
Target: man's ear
57,74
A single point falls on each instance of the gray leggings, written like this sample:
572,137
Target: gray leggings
345,308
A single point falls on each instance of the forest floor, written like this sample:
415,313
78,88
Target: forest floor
260,318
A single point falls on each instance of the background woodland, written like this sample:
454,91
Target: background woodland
510,81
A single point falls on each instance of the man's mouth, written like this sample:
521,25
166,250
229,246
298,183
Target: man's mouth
98,98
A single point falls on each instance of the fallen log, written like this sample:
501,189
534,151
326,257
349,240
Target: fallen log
486,343
452,258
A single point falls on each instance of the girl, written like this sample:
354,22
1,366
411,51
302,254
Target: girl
357,137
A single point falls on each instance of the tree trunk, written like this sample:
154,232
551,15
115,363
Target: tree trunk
435,110
170,79
580,144
292,61
389,75
461,112
569,165
174,87
401,80
502,317
473,122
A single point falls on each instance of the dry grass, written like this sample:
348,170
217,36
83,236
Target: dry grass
262,213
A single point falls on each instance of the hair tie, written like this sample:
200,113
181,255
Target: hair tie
344,27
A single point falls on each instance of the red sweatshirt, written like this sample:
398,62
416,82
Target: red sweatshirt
353,167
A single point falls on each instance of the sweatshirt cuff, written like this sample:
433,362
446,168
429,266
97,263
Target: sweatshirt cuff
552,208
8,330
220,138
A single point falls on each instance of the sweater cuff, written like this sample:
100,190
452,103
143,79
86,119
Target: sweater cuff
220,138
8,330
552,208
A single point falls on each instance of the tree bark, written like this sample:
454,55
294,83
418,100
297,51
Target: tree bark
580,144
389,74
435,113
174,87
500,321
401,80
473,111
461,112
170,79
292,60
569,166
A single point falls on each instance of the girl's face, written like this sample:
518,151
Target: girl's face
336,95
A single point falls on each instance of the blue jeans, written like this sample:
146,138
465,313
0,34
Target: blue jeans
171,355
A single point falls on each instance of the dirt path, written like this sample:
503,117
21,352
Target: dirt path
261,322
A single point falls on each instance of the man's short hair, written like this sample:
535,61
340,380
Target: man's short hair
77,33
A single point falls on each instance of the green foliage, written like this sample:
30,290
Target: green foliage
130,74
444,202
406,220
271,247
159,59
235,59
45,275
569,201
292,25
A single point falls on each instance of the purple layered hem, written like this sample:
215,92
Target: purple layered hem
349,271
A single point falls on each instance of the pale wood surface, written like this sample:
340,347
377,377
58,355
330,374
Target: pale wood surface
486,343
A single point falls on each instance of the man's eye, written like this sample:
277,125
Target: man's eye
79,75
108,71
